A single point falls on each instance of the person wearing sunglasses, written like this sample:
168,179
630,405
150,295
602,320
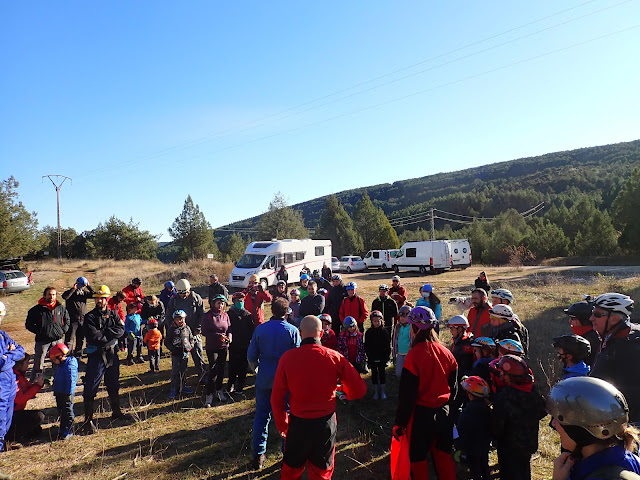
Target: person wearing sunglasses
580,322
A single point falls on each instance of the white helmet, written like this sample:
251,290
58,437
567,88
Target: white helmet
615,302
395,278
502,294
502,311
183,285
3,309
458,321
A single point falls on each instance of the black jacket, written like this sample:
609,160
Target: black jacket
334,300
217,289
463,353
150,311
594,340
388,307
516,417
242,327
474,428
377,344
282,275
76,302
179,339
616,364
504,331
102,328
311,305
48,325
483,284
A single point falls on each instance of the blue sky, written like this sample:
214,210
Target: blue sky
145,102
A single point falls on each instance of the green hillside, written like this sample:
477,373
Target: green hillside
556,178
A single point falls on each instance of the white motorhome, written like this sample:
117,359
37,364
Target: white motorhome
265,258
426,256
381,259
460,253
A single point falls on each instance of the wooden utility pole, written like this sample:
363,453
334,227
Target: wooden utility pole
433,231
58,187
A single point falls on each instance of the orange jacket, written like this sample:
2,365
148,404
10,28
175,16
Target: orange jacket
484,319
153,339
310,375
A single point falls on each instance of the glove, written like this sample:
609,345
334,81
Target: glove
132,336
398,432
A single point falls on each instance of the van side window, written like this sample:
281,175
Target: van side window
319,251
464,250
411,252
288,258
299,255
455,250
376,254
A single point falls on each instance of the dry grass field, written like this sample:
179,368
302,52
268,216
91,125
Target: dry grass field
180,439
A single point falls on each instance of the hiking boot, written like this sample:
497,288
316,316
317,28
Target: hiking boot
139,359
383,395
89,428
258,462
209,400
64,435
116,413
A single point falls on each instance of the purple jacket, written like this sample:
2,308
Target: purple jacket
214,326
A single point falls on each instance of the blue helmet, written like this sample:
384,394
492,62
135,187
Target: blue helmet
351,286
349,322
169,284
82,281
304,276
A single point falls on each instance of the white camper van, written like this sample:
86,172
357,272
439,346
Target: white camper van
265,258
426,256
460,253
381,259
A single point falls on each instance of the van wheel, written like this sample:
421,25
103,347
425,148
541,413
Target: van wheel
264,283
384,267
396,269
349,270
423,271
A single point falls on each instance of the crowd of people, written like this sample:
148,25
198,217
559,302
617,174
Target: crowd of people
452,402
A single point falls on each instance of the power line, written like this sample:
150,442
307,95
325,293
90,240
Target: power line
239,129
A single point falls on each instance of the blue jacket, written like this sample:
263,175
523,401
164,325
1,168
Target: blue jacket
614,456
422,302
8,358
165,296
132,324
66,377
269,342
578,370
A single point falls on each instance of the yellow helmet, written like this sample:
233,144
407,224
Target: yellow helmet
253,278
102,292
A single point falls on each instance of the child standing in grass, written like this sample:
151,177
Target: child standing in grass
64,387
153,339
351,344
474,427
133,332
401,338
179,340
378,347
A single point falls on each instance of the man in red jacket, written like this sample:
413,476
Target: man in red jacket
354,306
255,296
310,429
479,314
133,293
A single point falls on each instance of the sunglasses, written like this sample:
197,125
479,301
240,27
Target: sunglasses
600,315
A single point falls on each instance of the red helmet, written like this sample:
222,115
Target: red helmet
476,386
58,350
516,368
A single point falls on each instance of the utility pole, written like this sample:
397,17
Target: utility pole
58,187
433,231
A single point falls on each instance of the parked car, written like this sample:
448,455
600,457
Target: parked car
351,263
335,264
13,281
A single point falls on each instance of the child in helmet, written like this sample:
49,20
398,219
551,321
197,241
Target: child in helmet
572,351
518,408
377,345
153,339
351,344
461,344
401,338
474,426
580,322
179,340
484,352
505,324
329,338
510,347
133,332
304,285
65,378
294,305
354,306
430,300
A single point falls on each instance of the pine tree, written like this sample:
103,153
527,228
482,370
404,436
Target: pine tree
597,236
192,232
19,233
626,207
373,226
281,221
336,225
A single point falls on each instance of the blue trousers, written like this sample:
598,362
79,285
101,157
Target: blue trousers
96,370
261,421
7,395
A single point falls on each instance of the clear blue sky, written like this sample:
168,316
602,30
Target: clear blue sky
144,102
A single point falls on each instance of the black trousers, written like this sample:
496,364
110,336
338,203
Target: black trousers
378,373
217,362
430,424
25,425
65,410
514,464
238,365
74,337
310,439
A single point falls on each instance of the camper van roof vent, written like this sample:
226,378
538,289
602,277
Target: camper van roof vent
262,244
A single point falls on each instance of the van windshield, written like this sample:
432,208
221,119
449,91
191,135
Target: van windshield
250,260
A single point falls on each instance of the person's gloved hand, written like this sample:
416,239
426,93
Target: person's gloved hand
398,432
132,336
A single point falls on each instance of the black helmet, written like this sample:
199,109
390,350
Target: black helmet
316,273
136,281
580,310
575,345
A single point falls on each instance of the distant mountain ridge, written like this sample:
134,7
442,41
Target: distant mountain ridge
490,189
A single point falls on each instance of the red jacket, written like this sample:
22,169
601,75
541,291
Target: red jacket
112,305
26,391
399,294
354,307
132,295
310,375
253,304
432,363
329,339
484,319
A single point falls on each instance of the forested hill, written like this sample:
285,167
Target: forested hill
555,178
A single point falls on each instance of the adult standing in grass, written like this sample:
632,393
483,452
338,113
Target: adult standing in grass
482,282
387,305
168,292
216,288
611,318
10,353
242,327
255,298
478,317
216,328
133,293
269,342
310,428
102,329
312,304
337,293
76,302
49,320
190,303
580,323
397,291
